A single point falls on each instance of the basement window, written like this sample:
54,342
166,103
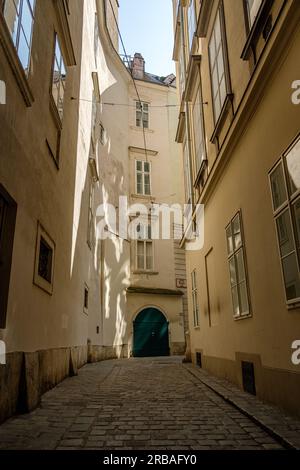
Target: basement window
44,263
248,376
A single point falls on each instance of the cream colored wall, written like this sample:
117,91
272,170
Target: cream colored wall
36,320
244,185
170,306
166,174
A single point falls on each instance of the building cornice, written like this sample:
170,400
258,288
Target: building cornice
142,151
154,291
204,17
192,76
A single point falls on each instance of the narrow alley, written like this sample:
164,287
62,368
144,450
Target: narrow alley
156,403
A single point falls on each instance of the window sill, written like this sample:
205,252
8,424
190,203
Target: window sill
243,317
202,168
150,273
257,28
197,328
222,117
294,305
143,196
14,62
140,129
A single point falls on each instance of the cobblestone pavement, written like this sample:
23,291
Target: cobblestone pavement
134,404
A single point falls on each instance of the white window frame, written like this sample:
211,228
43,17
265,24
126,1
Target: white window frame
19,32
219,78
286,207
198,129
192,22
144,174
142,114
195,299
91,215
60,79
144,238
234,251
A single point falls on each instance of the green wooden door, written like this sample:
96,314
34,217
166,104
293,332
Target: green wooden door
150,334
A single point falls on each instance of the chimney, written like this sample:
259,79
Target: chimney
138,66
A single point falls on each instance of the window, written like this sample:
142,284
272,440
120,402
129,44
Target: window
181,70
91,216
237,268
8,212
191,21
102,134
19,16
285,188
58,79
187,173
217,57
143,179
253,7
195,299
96,39
144,248
199,135
142,114
44,263
86,299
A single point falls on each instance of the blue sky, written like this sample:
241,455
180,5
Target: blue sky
147,27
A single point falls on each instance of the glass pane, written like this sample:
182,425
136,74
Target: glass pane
218,30
278,187
293,167
220,63
285,234
147,184
296,211
139,166
23,51
223,91
237,236
140,262
146,167
244,304
240,266
149,255
235,301
229,240
291,277
232,270
26,21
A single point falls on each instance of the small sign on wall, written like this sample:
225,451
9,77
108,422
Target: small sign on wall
181,283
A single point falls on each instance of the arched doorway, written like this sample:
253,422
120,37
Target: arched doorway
150,334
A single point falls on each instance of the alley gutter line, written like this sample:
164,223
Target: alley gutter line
278,437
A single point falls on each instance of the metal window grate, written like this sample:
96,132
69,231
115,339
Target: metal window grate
199,359
248,377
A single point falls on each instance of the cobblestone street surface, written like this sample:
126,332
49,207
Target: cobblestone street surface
147,404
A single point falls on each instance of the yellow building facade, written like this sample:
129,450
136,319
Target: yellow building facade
238,66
